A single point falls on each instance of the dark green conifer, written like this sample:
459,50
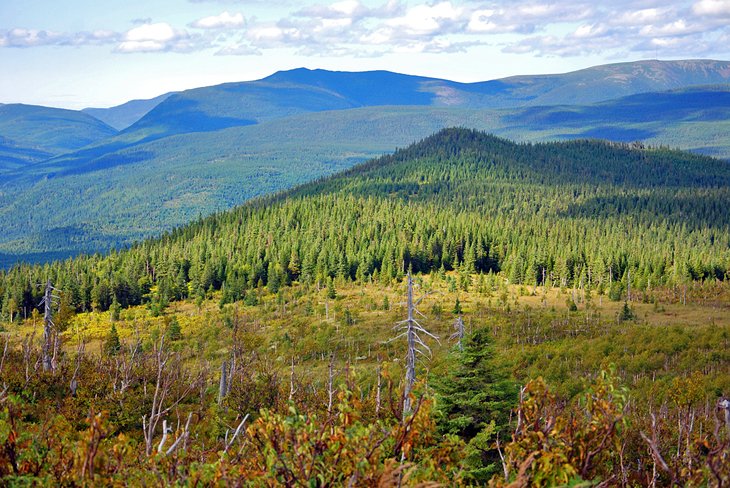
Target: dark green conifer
473,401
112,344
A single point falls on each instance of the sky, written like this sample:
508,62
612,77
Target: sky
101,53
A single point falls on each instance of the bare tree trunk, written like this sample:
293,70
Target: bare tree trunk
411,354
222,386
5,352
410,329
459,334
166,378
292,390
48,328
330,384
74,383
380,386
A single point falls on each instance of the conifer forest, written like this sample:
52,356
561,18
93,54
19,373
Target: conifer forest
467,311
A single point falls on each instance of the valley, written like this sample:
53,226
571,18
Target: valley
205,150
327,278
264,344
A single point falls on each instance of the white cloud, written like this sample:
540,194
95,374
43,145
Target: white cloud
159,32
26,38
225,20
427,19
536,10
160,36
375,27
271,36
712,8
641,17
679,27
488,21
379,36
436,46
586,31
353,9
346,8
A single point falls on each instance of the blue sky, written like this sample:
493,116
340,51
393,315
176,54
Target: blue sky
81,53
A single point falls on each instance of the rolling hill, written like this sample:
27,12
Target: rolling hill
172,180
460,198
593,273
126,114
301,90
13,157
211,148
50,130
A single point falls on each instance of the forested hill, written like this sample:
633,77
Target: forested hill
583,213
468,157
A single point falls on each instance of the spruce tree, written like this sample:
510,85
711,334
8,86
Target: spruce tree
112,344
174,332
457,307
473,401
331,293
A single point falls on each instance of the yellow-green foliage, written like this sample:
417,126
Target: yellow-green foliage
672,357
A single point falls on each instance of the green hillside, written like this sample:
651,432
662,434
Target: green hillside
460,198
694,119
610,81
175,179
122,116
14,157
50,130
212,148
591,280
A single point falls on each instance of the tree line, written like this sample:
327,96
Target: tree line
578,214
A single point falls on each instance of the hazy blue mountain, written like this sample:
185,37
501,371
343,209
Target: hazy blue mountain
50,130
302,90
14,157
696,119
208,149
280,95
298,91
122,116
138,190
606,82
692,118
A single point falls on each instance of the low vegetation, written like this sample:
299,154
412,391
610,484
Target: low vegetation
538,395
572,326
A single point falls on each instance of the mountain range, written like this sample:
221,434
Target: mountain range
103,178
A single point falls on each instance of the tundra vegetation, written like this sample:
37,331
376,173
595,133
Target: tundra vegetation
467,311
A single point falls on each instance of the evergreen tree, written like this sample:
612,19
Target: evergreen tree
114,310
112,344
457,307
331,293
473,401
174,332
626,313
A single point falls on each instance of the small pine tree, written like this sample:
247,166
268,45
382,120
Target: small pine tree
112,345
174,332
331,292
114,310
457,307
626,313
474,399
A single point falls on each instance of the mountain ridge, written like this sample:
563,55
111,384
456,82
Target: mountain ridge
50,130
210,148
330,90
122,116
